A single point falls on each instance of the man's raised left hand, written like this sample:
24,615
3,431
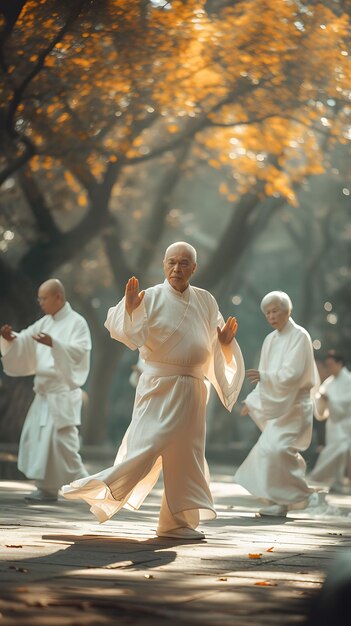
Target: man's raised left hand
43,338
227,333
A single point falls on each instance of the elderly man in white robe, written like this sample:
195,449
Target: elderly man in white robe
56,350
182,339
333,402
282,408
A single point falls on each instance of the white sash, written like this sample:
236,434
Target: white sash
168,369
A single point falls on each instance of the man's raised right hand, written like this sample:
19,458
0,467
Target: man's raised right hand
133,296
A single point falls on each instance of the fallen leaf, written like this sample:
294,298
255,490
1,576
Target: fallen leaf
265,583
9,546
303,593
255,556
222,578
87,605
18,569
270,549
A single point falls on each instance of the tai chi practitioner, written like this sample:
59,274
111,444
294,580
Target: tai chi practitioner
56,349
281,406
182,339
333,402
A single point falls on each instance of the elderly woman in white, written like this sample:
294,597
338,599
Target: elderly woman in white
281,406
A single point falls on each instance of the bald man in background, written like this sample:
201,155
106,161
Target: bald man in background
56,350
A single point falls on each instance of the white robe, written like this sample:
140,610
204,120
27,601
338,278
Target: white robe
176,334
334,462
281,406
49,443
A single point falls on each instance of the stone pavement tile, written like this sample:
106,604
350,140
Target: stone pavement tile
72,570
51,609
187,601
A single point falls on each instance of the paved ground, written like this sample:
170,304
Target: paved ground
59,567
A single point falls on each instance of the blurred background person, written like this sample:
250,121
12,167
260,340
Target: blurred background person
332,603
333,403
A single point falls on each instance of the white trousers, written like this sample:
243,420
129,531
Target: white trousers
64,462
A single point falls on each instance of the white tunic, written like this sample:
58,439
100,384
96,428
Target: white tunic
59,372
333,462
176,334
282,408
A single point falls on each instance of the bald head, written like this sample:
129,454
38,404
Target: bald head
54,285
181,247
51,296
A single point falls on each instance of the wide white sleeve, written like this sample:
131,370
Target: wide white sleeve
340,409
278,388
339,401
292,368
227,378
321,409
130,330
253,400
19,355
73,359
254,405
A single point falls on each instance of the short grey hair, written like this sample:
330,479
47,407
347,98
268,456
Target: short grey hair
280,297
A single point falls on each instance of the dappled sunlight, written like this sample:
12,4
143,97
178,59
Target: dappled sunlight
233,499
60,560
16,486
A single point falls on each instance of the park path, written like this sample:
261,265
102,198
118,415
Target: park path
59,567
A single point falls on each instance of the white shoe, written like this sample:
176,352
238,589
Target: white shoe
317,498
275,510
41,496
313,500
181,533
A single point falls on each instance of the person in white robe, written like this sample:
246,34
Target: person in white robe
282,408
333,402
182,339
56,350
137,370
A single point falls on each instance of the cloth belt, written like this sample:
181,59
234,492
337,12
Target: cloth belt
169,369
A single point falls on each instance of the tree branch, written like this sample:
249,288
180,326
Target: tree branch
37,204
155,227
19,91
21,160
11,11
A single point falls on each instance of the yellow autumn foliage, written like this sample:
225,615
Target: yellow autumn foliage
258,86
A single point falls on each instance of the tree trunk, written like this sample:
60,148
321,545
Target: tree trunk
18,303
106,356
16,395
